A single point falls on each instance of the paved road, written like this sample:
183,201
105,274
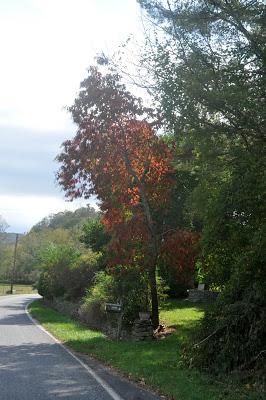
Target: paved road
34,367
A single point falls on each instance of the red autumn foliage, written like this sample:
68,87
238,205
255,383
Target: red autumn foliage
179,252
122,161
116,164
102,158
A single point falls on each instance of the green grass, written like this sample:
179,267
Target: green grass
17,289
156,362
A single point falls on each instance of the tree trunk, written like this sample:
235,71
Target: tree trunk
153,240
154,296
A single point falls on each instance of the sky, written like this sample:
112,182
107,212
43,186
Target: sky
46,48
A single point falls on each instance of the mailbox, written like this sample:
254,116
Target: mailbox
113,308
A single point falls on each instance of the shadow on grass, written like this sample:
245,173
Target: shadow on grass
174,304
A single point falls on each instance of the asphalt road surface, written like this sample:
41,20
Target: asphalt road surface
33,366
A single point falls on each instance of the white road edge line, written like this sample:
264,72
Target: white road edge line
108,389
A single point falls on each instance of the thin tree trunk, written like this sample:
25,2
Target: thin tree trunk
154,244
154,296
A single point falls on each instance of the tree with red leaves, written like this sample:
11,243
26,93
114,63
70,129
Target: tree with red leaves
178,254
117,156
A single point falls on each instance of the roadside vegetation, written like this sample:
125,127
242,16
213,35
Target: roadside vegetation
62,228
157,364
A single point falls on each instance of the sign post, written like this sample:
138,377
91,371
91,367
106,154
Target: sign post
116,309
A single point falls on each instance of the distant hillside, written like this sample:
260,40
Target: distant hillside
8,238
66,219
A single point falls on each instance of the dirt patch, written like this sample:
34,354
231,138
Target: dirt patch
163,331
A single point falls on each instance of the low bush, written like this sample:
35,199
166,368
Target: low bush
65,272
232,337
125,285
81,275
92,310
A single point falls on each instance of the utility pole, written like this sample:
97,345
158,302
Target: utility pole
14,266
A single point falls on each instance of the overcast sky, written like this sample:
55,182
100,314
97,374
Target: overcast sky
46,46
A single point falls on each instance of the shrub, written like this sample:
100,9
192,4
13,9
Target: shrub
125,285
55,261
80,275
92,310
236,326
44,285
65,272
236,337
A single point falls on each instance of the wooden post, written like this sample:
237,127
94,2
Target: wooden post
119,324
14,266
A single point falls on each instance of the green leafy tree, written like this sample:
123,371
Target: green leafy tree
208,61
66,272
6,259
94,235
30,247
3,224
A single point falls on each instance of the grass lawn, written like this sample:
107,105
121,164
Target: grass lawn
17,289
157,363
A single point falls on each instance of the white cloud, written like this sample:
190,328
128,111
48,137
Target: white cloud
22,212
46,47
